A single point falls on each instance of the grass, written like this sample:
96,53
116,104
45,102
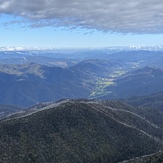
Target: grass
100,88
117,73
103,83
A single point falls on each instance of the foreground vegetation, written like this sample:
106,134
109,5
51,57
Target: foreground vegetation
78,131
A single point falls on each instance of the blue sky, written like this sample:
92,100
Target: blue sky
51,24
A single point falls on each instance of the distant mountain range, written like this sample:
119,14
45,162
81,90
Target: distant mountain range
78,131
28,84
140,47
32,83
67,57
121,76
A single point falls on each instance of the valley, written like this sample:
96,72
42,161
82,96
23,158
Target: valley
81,81
131,73
66,108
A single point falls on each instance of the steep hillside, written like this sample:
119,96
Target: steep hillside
158,63
153,158
97,74
29,84
149,107
139,82
78,131
6,110
96,68
153,101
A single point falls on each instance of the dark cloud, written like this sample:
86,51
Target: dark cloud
124,16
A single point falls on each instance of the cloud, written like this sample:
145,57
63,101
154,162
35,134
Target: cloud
124,16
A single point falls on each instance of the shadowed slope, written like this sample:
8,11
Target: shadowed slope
77,131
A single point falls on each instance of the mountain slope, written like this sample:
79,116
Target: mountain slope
6,110
141,57
139,82
153,158
77,131
29,84
96,67
153,100
158,63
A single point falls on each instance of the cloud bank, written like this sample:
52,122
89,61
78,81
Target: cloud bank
123,16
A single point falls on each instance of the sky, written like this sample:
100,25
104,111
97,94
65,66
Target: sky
80,23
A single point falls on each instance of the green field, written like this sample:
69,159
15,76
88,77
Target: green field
100,88
103,83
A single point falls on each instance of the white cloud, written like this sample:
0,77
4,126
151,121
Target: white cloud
4,5
124,16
